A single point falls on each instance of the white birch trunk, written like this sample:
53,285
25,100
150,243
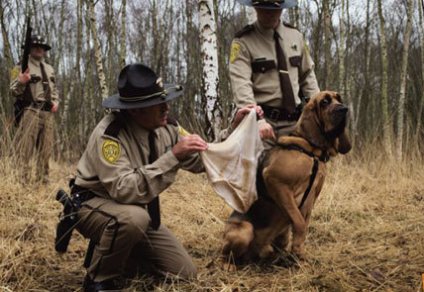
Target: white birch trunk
251,15
97,50
403,79
210,64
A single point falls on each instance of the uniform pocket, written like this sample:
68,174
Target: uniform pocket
262,66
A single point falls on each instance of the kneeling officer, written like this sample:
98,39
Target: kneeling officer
131,157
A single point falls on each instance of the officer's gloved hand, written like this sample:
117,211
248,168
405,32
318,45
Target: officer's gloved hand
24,77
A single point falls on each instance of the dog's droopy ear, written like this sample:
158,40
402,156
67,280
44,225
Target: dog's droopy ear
343,144
309,127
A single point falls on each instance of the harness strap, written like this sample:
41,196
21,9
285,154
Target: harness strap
315,166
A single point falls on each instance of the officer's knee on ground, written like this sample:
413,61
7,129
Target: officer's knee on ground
135,223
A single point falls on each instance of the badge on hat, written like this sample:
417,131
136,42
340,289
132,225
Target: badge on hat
111,151
235,51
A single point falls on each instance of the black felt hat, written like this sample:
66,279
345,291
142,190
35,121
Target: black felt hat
38,41
269,4
140,87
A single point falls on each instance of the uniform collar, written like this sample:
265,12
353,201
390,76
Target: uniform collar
34,61
268,32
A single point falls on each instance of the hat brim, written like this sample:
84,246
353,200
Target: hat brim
114,102
285,5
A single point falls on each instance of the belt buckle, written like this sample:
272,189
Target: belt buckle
274,114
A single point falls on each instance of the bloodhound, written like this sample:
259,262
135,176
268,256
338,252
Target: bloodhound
293,176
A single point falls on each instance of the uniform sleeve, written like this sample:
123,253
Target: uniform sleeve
16,88
241,74
53,87
307,80
132,185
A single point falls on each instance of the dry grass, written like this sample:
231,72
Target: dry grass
366,234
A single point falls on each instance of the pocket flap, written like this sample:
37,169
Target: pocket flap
261,66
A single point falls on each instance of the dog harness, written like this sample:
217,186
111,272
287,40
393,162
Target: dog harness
324,157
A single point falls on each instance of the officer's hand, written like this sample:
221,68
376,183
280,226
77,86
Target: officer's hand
241,113
24,77
266,131
188,145
55,107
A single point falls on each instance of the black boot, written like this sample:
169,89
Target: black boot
110,285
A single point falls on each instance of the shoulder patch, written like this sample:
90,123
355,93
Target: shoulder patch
182,132
14,73
235,51
290,25
244,30
111,151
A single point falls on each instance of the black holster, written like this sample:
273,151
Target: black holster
68,218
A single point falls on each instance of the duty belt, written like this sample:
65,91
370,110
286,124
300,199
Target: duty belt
279,114
42,105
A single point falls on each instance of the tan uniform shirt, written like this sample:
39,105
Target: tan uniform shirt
37,91
256,84
118,168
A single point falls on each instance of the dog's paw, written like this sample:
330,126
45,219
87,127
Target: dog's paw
266,252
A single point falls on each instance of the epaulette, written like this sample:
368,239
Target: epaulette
248,28
172,121
290,25
115,127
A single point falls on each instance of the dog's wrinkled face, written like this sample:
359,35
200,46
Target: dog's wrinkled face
323,122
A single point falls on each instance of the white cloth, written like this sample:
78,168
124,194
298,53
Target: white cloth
231,165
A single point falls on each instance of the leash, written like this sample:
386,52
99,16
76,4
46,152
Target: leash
324,158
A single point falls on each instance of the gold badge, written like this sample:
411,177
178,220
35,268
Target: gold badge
111,151
14,73
235,50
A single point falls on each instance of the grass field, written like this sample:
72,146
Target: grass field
366,233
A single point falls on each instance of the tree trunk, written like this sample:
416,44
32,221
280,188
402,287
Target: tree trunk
123,39
210,66
327,40
386,120
97,50
421,106
403,79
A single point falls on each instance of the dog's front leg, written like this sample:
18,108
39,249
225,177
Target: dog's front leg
284,198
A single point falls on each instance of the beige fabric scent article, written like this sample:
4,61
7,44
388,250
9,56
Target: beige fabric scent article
231,165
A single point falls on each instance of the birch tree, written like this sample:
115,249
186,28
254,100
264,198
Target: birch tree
403,79
97,50
421,105
209,55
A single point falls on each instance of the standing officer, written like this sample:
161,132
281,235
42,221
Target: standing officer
270,66
131,157
37,99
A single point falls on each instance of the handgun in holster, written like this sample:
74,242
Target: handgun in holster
67,221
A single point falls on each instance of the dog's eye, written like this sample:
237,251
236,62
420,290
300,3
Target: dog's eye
326,101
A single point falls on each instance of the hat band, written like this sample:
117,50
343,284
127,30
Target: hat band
163,93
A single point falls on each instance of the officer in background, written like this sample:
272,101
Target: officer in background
37,99
132,156
270,65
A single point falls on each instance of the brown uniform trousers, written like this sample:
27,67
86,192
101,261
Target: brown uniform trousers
126,242
34,142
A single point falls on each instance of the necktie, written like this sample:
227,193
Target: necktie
45,82
286,88
153,207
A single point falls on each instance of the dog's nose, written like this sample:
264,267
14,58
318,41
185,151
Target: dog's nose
342,109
